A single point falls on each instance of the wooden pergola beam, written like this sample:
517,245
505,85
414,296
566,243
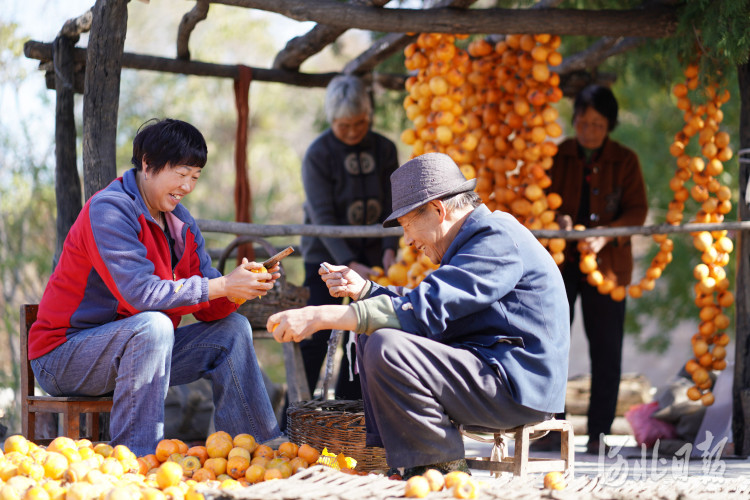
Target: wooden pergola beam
43,52
378,231
653,21
741,388
198,13
300,48
101,98
67,182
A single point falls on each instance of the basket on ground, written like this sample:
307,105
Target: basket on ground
338,425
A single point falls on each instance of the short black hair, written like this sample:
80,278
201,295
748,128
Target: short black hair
168,141
601,99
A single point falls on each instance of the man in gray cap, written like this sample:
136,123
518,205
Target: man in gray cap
482,341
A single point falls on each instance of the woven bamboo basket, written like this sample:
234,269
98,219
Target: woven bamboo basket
338,425
281,297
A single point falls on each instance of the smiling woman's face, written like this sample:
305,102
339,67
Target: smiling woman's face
591,128
164,191
351,130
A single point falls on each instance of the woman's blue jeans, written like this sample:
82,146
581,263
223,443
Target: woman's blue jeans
138,358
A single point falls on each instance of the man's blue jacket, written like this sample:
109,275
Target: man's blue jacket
499,294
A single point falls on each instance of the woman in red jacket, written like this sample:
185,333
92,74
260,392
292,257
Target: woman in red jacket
601,185
132,265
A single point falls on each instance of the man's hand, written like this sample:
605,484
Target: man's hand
360,269
295,325
342,281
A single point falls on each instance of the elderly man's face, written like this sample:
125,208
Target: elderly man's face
425,231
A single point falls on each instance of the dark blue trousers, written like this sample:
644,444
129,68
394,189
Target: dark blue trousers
604,324
416,391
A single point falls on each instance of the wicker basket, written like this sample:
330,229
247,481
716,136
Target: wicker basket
281,297
338,425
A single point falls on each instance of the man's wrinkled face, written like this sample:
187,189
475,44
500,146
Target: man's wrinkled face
423,231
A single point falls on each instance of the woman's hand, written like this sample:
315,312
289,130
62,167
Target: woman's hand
295,325
594,243
565,222
342,281
244,282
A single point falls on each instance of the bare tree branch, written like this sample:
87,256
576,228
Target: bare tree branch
300,48
74,27
653,21
597,53
197,14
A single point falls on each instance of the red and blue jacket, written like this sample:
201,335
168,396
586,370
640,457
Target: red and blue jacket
116,262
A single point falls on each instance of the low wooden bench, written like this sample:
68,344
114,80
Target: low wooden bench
70,407
521,463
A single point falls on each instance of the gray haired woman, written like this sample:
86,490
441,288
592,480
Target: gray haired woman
346,175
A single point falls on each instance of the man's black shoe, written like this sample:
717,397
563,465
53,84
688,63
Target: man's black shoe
442,467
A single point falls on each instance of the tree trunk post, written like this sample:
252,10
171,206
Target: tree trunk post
102,93
67,182
741,389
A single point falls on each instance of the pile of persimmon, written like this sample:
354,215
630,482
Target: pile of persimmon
461,484
78,469
703,164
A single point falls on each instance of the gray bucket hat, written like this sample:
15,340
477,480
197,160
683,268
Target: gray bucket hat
422,179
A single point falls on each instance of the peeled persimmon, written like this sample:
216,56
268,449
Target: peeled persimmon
263,451
164,449
255,473
168,474
308,453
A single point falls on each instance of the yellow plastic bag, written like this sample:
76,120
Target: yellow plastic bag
337,462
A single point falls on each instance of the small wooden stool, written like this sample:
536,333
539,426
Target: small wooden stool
520,463
71,408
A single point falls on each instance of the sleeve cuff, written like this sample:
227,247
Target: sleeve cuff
366,291
375,313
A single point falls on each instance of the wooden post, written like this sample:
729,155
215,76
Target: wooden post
67,182
741,389
102,92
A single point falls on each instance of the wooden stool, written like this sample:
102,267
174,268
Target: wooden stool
521,464
71,408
